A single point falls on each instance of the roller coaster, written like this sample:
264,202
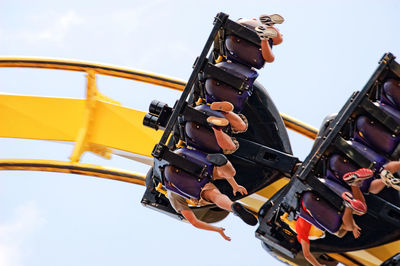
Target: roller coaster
265,165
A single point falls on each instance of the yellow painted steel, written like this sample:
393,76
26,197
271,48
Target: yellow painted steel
61,119
342,259
299,127
82,142
255,201
74,65
73,168
376,255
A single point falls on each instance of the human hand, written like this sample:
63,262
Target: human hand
221,230
356,231
241,189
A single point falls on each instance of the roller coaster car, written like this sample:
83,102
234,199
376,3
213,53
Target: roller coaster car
365,133
264,154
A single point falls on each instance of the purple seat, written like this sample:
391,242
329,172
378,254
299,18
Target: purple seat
370,154
218,91
391,93
339,165
243,52
323,215
201,137
375,135
395,113
183,183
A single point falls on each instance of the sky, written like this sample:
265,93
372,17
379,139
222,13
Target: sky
330,49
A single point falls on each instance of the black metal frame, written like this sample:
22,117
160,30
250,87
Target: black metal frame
204,69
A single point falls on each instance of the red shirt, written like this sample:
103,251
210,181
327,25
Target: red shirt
303,230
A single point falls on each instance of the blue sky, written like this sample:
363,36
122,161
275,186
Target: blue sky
330,49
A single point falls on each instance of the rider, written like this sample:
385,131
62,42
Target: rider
268,33
238,122
354,204
222,169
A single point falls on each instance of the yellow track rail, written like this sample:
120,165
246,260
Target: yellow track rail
73,168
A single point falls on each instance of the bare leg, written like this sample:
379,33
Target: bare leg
349,224
228,172
223,140
376,186
393,166
267,51
236,121
224,171
221,200
358,195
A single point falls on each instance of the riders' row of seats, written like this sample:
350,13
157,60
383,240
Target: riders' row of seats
240,60
370,137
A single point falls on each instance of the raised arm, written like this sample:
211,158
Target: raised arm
307,254
189,215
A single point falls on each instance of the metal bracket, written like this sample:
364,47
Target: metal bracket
82,141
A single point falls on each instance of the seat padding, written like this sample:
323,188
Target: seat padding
322,212
391,92
218,91
244,52
201,138
183,183
339,165
375,135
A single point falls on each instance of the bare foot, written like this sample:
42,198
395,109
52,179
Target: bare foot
356,231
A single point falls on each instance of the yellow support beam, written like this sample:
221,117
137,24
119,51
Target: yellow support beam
82,144
61,119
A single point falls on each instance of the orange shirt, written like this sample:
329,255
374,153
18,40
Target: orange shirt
303,230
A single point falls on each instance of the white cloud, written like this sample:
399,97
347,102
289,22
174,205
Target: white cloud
14,233
56,31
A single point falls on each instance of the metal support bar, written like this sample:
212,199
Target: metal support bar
193,115
180,162
241,31
395,68
266,156
383,209
211,71
219,21
352,153
274,243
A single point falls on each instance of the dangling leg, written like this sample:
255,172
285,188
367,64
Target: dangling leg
228,172
224,140
349,224
238,123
